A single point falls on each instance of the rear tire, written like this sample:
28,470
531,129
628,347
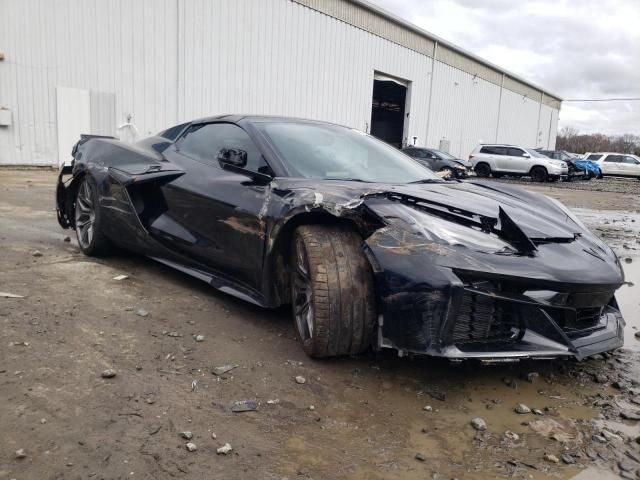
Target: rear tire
539,174
332,291
483,170
88,220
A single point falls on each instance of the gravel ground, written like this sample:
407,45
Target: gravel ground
104,377
607,184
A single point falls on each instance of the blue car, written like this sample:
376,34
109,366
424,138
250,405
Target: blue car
577,166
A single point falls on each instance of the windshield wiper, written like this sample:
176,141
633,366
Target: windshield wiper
428,180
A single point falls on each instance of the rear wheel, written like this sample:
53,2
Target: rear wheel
483,170
88,221
539,174
332,291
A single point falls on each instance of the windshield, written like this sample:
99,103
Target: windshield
535,154
330,152
445,155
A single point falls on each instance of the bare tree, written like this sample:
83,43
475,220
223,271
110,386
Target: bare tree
570,139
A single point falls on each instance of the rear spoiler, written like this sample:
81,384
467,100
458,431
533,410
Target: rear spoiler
85,137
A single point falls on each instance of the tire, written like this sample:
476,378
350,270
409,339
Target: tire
332,291
539,174
88,220
483,170
448,170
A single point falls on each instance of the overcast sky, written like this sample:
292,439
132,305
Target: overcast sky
576,49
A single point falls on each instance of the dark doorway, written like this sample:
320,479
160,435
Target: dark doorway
387,111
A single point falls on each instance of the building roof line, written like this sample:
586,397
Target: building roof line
420,31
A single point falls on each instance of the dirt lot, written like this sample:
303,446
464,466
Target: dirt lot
355,418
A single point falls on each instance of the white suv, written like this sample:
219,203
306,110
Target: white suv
498,160
617,164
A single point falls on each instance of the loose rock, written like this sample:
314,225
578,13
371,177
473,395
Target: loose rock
551,458
141,312
67,239
20,453
568,459
428,408
244,406
300,380
531,376
37,253
479,424
522,409
630,415
187,435
120,277
420,457
108,373
192,447
512,435
218,371
199,338
224,450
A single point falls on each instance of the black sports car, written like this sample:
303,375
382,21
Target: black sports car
369,247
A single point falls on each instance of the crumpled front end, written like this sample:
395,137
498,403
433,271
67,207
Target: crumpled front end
546,300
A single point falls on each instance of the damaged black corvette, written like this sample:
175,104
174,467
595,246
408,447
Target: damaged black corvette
369,247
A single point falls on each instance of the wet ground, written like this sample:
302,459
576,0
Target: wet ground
354,418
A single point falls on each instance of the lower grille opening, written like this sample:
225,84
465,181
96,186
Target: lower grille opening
482,320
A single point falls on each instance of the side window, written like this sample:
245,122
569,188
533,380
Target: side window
494,150
630,160
594,158
515,152
423,154
409,151
613,158
204,142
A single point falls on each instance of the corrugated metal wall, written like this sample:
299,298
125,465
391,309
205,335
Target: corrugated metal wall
161,62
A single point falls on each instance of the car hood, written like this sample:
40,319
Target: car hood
538,217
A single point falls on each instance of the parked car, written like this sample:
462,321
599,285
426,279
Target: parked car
578,168
369,247
440,161
617,164
498,160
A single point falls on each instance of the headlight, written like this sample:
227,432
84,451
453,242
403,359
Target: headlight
559,164
435,229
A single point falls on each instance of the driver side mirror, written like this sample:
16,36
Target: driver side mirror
526,155
232,156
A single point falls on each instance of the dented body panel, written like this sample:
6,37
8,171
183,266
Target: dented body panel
538,284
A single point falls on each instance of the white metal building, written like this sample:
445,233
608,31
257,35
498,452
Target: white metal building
135,67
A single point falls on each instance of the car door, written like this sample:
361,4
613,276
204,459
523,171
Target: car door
631,166
216,210
517,161
496,157
613,165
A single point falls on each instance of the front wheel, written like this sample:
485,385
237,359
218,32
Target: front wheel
539,174
447,172
88,220
332,291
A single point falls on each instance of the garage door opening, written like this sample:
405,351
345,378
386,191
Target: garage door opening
388,109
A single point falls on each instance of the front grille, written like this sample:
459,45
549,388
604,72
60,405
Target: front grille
480,319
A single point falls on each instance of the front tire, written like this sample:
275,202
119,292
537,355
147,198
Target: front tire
539,174
332,291
448,173
88,220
